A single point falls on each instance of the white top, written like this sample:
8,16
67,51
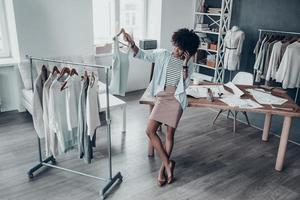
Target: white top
72,96
58,116
92,109
47,131
274,61
289,70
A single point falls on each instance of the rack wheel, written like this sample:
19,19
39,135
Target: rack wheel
30,176
53,162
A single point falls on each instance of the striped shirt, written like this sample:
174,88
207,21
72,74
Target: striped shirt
174,70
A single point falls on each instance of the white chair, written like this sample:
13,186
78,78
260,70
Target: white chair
241,78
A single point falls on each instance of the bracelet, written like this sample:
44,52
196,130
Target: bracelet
132,45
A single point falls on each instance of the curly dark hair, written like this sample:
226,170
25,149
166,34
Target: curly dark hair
186,40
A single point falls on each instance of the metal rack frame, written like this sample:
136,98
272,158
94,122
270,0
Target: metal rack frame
223,23
111,180
261,31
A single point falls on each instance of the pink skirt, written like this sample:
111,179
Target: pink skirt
167,110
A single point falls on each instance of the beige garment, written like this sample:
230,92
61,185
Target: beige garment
167,110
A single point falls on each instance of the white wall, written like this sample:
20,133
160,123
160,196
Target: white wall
54,28
175,14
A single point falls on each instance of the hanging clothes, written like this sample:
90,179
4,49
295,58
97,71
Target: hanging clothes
37,104
267,58
257,47
72,100
274,61
48,142
289,70
233,48
120,68
92,109
58,117
85,142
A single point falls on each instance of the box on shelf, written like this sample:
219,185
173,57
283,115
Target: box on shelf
211,63
202,27
215,10
213,46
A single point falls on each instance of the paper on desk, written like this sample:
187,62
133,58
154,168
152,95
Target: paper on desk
241,103
201,91
237,92
266,98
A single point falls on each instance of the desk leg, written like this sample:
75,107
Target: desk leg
150,147
267,125
283,142
124,118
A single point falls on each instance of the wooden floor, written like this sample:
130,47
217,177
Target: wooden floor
212,162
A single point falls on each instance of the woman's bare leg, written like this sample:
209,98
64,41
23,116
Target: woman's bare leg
169,143
157,144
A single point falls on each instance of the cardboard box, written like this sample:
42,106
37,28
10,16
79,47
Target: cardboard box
213,46
211,63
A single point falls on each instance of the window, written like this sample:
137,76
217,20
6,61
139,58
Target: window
132,17
110,15
104,17
4,41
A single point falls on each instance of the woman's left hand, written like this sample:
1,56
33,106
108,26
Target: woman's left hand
187,57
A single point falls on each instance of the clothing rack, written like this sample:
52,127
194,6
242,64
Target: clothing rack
111,180
261,31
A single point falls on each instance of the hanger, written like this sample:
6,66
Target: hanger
55,69
121,31
73,71
92,80
64,71
85,76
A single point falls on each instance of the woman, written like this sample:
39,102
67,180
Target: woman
170,79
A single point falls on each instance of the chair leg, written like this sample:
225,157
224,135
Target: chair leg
229,112
234,121
247,119
218,115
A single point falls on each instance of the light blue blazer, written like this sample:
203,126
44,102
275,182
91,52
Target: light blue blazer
161,59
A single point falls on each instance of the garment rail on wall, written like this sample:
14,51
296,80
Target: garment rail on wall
283,33
111,180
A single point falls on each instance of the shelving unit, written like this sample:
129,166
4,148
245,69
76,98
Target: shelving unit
218,21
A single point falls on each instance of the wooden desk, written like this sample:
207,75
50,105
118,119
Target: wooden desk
267,110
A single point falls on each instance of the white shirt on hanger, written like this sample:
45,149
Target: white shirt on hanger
274,61
37,102
48,132
289,70
58,117
72,97
92,109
